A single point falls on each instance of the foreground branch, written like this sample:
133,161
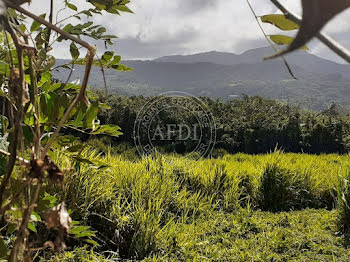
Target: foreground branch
22,231
19,86
269,41
325,39
50,25
89,61
22,160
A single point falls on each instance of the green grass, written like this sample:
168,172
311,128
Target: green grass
275,207
307,235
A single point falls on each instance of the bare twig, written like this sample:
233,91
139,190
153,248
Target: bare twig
11,63
25,161
103,74
9,48
70,73
47,43
325,39
4,131
34,93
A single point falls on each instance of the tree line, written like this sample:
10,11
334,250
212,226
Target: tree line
250,125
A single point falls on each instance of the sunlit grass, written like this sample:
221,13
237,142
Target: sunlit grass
153,207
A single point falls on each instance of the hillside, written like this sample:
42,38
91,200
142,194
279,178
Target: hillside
225,75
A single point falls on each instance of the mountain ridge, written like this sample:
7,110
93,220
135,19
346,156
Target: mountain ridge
320,82
256,56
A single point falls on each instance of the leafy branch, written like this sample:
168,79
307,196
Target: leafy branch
35,119
269,41
316,14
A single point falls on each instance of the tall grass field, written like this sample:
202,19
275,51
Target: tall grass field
273,207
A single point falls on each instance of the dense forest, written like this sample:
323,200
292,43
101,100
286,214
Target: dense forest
247,125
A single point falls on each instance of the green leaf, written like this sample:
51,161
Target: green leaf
74,51
314,20
284,40
85,234
91,115
105,106
35,25
68,28
31,226
3,249
28,80
78,229
107,56
99,5
72,86
124,8
22,28
51,88
35,217
4,122
11,229
110,130
108,60
108,37
4,68
101,30
120,67
83,160
280,21
51,199
92,242
71,6
76,148
48,201
49,105
111,6
116,60
44,79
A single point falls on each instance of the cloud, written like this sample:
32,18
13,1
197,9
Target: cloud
193,6
162,27
223,26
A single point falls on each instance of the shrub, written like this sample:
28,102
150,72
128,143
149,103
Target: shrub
274,189
282,189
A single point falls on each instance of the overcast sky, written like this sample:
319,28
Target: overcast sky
166,27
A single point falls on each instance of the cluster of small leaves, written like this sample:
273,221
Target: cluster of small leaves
112,6
316,14
96,32
283,23
108,60
54,99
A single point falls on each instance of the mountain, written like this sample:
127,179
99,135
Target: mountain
219,58
304,59
226,75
